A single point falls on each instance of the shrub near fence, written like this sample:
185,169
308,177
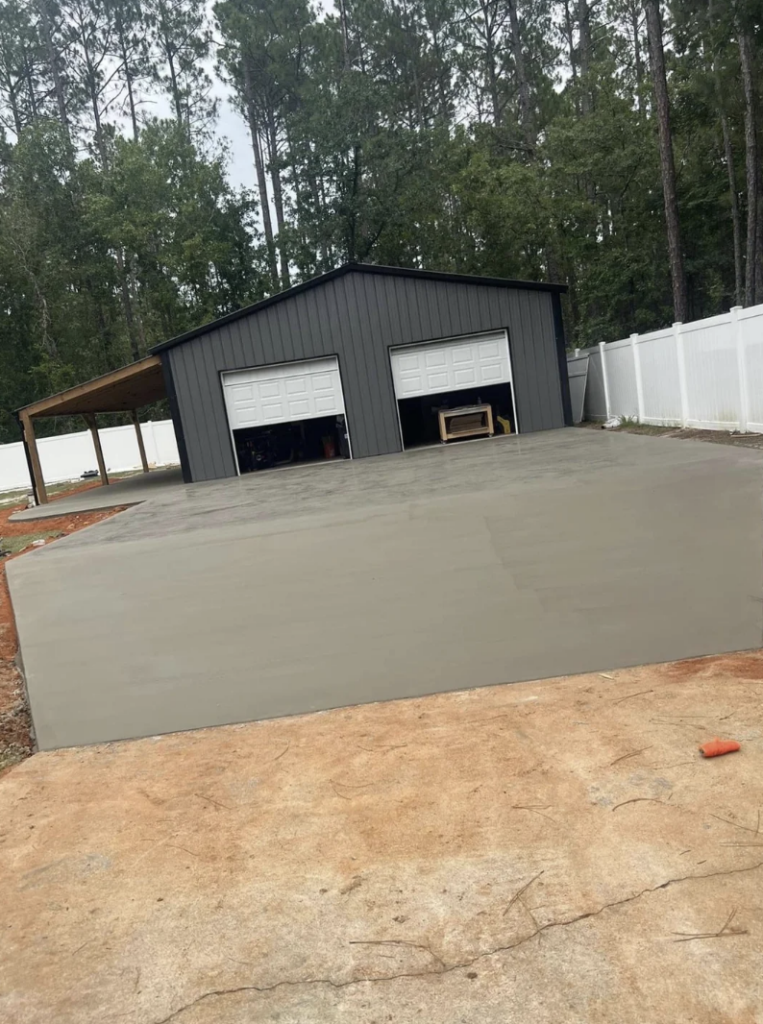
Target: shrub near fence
706,374
68,456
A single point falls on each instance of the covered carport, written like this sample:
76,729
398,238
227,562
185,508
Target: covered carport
125,390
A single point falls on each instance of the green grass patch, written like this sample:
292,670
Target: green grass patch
13,545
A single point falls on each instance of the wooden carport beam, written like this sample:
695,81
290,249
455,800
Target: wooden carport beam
34,456
89,418
139,434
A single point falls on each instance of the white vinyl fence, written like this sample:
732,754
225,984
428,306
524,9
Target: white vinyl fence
706,374
67,456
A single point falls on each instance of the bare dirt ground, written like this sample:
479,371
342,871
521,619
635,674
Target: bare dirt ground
727,437
547,852
15,739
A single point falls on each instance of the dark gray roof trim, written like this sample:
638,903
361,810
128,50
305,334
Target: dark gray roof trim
363,268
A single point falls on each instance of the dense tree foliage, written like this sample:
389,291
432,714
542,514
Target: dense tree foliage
610,144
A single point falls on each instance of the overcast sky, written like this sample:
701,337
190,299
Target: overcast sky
232,128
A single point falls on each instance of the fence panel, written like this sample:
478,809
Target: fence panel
712,374
658,356
751,332
67,456
595,407
706,374
621,379
14,474
577,369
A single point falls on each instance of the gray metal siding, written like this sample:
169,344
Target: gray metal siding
358,318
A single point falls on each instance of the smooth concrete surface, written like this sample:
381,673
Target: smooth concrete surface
545,853
128,491
309,588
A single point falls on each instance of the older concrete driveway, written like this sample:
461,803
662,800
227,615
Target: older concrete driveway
546,853
322,586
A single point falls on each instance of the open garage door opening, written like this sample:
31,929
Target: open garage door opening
286,413
454,389
466,415
284,443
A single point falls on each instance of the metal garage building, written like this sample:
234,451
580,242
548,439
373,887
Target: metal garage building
362,357
365,360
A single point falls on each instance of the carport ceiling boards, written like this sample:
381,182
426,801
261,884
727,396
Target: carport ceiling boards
122,390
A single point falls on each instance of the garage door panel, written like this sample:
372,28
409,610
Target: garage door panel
492,374
299,410
326,406
489,350
451,365
408,362
464,355
279,394
435,360
411,386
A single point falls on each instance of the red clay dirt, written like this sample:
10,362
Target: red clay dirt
556,852
15,724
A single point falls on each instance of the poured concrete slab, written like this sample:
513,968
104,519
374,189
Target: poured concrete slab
311,588
554,853
128,491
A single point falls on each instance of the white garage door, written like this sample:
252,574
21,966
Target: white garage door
283,393
451,365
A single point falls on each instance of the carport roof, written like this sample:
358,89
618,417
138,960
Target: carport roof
130,387
363,268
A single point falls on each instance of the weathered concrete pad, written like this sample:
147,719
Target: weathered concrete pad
524,853
128,491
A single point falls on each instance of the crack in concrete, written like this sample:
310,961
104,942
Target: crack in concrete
459,965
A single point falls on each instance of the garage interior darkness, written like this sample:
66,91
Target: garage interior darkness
281,444
418,416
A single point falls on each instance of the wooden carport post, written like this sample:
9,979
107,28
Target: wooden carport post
89,418
34,457
139,434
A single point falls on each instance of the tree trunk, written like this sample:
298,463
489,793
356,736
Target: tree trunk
639,63
30,85
127,73
751,161
759,248
275,177
133,279
525,106
728,156
345,34
259,166
667,164
177,100
736,224
585,54
492,76
53,60
569,35
13,103
124,289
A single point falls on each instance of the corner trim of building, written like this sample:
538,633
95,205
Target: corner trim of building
177,421
561,351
